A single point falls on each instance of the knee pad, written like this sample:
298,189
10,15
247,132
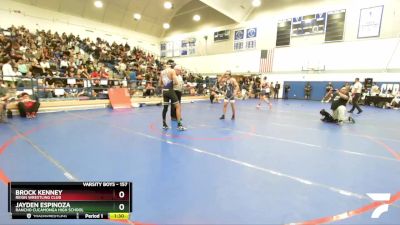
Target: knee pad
323,112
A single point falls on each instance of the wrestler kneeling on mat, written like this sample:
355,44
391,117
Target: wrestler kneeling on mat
231,87
338,107
167,80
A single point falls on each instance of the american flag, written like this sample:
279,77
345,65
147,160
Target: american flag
266,60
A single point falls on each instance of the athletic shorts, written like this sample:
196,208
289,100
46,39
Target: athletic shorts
230,99
169,94
265,94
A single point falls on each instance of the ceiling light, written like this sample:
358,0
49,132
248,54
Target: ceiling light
256,3
196,17
167,5
137,16
166,26
98,4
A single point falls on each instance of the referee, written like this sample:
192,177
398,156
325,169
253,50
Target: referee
356,91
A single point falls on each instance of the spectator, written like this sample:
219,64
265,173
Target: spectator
7,69
272,90
56,53
16,72
36,69
375,90
328,93
27,107
276,90
395,103
286,91
64,63
307,91
149,89
103,73
22,67
3,100
132,80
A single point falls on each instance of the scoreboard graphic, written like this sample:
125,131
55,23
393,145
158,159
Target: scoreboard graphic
70,200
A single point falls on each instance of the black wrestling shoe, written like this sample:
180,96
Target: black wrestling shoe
222,117
351,120
233,117
165,127
359,112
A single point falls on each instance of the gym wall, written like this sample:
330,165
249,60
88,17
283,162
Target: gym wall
367,55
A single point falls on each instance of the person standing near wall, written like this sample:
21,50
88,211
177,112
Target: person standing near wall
356,92
328,93
272,90
286,91
307,91
276,90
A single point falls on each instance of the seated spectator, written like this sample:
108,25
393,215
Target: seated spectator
71,90
49,81
395,103
16,72
82,71
64,63
149,89
214,95
23,67
71,63
375,90
36,69
3,100
27,107
7,69
45,64
103,73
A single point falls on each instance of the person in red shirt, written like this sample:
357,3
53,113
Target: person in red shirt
103,74
95,74
27,107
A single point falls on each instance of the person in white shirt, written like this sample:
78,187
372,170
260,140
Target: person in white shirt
375,90
64,63
45,64
395,103
8,72
356,92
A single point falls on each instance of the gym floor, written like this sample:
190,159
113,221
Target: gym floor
276,166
